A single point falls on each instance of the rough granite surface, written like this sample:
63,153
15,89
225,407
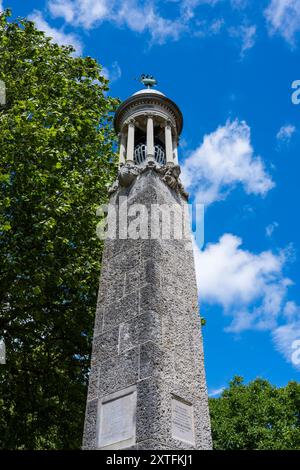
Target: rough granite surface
147,330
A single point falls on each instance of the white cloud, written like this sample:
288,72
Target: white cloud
225,159
216,25
287,341
57,35
206,28
112,73
216,392
84,13
160,28
1,6
283,18
251,289
291,310
188,7
285,133
246,36
138,18
270,229
144,16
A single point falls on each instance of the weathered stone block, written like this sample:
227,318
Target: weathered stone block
152,444
150,298
98,326
120,311
132,280
106,345
90,430
119,372
93,390
151,360
140,329
150,273
150,420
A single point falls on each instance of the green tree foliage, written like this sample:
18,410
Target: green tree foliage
256,416
56,161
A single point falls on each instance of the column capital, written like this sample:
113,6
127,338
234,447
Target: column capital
130,122
168,123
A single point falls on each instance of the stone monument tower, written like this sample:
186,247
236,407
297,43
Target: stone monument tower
147,387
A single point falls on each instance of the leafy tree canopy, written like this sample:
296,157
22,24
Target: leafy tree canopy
56,161
256,416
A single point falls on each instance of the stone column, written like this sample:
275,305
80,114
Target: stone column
147,386
168,143
150,138
175,149
130,142
122,152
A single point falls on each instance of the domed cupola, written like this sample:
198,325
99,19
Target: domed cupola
149,125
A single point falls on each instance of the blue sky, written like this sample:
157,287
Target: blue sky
229,65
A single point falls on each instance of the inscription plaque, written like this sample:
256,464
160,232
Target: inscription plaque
117,421
183,421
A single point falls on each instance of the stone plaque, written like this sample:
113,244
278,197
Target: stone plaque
116,428
183,421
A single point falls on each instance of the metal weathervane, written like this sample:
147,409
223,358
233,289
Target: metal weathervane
148,80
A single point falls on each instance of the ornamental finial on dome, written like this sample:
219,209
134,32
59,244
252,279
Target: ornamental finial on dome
148,80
